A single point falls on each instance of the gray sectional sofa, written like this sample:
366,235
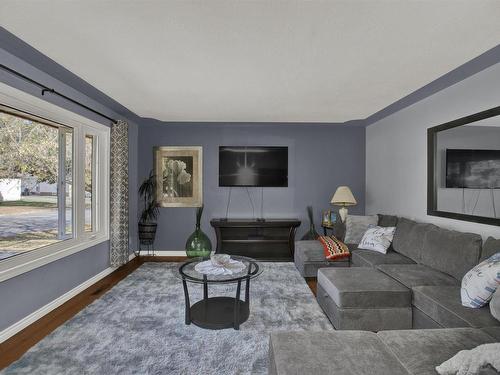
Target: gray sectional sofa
394,313
427,260
415,352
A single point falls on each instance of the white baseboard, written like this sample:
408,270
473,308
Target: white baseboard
44,310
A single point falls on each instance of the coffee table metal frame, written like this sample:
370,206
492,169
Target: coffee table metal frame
219,312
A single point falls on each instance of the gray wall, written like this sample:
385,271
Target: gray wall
321,157
28,292
396,149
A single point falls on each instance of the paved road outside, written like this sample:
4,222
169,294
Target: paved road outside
30,230
41,221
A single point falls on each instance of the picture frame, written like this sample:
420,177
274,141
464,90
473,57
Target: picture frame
179,176
333,217
326,218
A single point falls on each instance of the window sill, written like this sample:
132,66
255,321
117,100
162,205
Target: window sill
26,262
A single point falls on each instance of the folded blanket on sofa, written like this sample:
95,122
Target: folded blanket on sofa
334,248
474,361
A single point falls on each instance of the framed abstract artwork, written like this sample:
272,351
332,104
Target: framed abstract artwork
179,176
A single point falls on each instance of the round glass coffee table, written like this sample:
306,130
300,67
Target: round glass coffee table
218,312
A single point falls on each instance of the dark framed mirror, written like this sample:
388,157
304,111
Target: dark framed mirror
463,168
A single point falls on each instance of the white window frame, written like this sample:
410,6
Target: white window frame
21,263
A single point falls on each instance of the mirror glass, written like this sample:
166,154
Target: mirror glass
467,169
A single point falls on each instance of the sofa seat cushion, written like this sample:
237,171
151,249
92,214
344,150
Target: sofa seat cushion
421,320
339,352
412,275
451,252
443,305
367,258
493,332
365,319
363,287
421,350
310,256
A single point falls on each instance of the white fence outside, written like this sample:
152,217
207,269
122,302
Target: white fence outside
31,185
10,189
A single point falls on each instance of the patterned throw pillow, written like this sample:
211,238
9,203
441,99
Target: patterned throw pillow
356,226
334,249
377,239
495,305
479,284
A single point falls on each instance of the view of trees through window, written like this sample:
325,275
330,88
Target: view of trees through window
89,182
36,177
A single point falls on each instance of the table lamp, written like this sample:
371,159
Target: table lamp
343,197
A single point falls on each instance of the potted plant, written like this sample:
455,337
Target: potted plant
150,211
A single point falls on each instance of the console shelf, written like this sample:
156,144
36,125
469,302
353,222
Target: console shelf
270,240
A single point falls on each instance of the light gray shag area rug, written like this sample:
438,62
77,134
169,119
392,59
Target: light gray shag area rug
138,328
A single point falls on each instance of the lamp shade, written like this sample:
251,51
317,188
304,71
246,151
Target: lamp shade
343,197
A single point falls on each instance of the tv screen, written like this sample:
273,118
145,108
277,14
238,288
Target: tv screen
253,166
473,169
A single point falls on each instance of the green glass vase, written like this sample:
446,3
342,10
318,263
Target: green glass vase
198,244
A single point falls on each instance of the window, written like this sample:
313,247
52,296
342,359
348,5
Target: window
36,170
54,181
89,183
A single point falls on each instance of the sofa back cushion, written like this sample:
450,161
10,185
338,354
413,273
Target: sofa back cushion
409,238
490,247
451,252
339,229
387,220
356,226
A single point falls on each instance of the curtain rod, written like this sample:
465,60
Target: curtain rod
46,89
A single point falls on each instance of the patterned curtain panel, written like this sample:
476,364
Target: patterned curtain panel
119,194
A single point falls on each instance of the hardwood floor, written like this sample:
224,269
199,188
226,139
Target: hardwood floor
313,283
13,348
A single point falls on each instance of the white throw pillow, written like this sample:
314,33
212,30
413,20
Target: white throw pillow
470,362
356,226
377,239
479,284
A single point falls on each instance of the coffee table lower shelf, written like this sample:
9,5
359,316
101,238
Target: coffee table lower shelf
219,313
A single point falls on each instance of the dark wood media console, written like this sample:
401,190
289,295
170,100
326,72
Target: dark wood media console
272,239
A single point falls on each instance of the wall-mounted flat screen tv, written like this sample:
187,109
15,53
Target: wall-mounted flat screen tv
473,169
253,166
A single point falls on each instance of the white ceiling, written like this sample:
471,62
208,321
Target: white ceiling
222,60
